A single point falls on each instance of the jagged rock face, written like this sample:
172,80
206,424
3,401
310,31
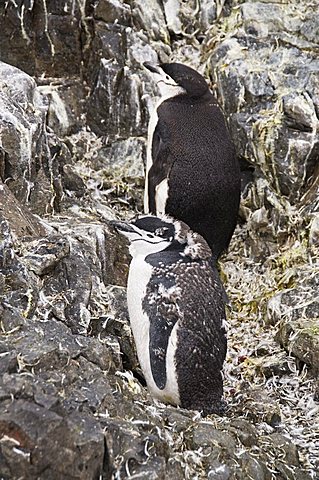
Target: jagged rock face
44,37
33,161
266,72
73,402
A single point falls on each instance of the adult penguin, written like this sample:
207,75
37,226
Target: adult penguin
192,172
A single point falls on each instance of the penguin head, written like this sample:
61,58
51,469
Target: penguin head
176,78
150,234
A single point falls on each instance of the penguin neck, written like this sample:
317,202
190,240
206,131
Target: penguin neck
187,97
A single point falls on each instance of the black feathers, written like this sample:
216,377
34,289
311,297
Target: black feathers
192,81
192,150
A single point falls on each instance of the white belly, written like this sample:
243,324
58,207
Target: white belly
167,91
138,279
161,194
149,161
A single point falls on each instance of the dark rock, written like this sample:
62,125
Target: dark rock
205,435
47,37
35,437
22,222
260,407
115,101
244,431
42,255
66,104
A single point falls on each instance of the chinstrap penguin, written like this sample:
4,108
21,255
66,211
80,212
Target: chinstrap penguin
177,312
192,172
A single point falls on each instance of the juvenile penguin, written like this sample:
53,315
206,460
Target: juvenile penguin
176,309
192,172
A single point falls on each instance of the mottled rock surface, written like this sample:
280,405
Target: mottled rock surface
75,102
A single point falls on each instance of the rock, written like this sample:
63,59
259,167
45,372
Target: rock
31,160
272,107
259,406
22,119
22,223
115,324
33,432
302,339
269,365
107,117
113,11
244,431
296,312
47,37
122,161
66,104
314,232
283,451
151,19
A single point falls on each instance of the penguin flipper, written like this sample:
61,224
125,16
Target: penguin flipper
161,165
163,313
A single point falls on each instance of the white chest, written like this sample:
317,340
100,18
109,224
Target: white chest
167,91
139,276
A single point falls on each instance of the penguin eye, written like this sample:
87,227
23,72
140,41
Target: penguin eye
161,231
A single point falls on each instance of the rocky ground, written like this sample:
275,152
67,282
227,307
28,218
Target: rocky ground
74,106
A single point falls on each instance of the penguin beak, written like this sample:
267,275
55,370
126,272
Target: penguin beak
122,227
152,68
